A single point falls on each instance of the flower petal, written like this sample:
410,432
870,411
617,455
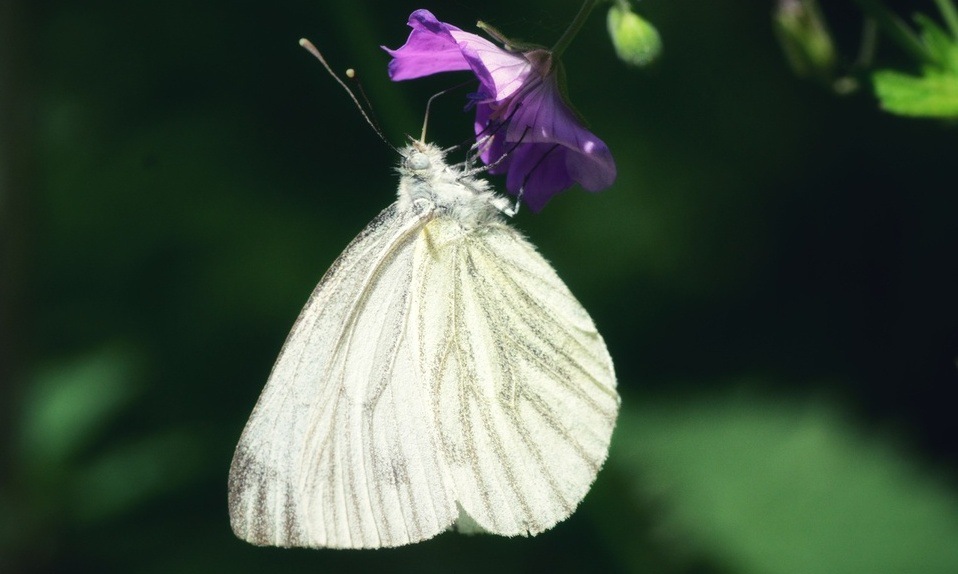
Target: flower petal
549,146
523,126
501,73
593,167
491,139
540,171
430,49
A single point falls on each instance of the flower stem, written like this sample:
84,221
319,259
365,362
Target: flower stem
574,27
896,29
948,12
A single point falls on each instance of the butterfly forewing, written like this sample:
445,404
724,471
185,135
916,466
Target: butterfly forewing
338,452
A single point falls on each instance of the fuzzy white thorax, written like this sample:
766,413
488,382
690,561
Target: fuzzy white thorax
425,176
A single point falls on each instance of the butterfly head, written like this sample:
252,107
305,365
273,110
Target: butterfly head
417,161
422,159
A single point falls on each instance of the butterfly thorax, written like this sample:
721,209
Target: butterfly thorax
428,182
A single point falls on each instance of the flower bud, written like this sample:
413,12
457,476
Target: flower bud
805,39
636,41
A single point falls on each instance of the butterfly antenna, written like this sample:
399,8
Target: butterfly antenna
315,52
351,74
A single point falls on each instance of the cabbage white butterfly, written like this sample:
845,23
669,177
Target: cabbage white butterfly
441,374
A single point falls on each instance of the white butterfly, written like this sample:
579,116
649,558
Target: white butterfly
440,374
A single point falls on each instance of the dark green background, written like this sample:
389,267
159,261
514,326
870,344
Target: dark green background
773,272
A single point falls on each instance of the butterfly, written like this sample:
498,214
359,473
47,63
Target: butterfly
440,376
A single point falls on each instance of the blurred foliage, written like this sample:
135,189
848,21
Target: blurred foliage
191,173
790,487
934,93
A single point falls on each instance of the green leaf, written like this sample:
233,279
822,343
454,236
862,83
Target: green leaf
784,487
934,95
940,44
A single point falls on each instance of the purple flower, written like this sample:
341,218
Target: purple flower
522,123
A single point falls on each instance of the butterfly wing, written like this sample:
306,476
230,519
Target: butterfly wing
341,450
436,375
524,387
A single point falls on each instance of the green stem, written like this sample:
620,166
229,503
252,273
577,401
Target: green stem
948,12
574,27
896,29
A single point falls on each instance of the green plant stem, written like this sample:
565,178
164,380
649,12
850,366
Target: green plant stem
574,27
896,29
948,12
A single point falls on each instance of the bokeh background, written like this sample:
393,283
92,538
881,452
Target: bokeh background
773,272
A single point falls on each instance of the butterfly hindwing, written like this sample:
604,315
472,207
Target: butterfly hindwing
524,387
